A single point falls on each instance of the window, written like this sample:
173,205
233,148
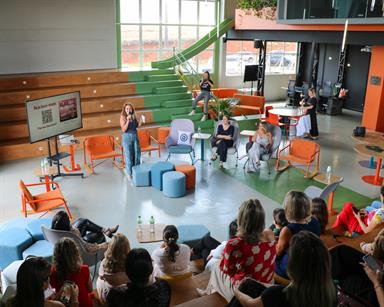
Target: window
150,29
280,58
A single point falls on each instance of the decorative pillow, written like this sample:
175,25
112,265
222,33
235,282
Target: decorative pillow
184,137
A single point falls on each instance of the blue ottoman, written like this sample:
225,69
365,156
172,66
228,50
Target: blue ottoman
191,234
157,171
141,175
34,228
41,248
12,244
174,184
20,222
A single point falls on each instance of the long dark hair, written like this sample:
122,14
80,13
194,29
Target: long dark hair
209,76
66,258
138,267
320,212
61,221
31,276
309,268
170,236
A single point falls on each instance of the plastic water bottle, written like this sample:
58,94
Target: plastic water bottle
329,173
46,165
42,165
139,224
152,224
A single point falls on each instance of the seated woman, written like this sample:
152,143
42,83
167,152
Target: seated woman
222,140
262,144
212,250
33,283
361,221
112,268
68,267
140,291
319,210
171,258
297,208
347,268
92,234
250,254
309,268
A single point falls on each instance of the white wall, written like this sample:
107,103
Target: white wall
56,35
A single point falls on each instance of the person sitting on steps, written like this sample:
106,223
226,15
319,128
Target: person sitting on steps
205,93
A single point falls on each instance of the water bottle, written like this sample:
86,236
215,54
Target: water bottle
139,224
42,165
152,224
329,173
199,131
46,165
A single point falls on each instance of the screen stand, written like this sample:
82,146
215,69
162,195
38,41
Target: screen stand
55,159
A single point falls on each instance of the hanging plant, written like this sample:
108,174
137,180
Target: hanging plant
260,8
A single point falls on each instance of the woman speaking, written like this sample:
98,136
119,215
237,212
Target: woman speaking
129,124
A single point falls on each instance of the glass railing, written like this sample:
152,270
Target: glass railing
330,9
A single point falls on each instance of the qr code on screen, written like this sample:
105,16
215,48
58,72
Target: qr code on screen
47,116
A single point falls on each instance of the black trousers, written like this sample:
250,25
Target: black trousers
222,147
348,271
250,287
91,232
314,130
204,247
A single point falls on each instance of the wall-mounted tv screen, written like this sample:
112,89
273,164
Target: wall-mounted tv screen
54,115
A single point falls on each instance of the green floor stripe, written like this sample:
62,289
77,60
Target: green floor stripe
276,185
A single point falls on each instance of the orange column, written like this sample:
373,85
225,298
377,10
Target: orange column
373,115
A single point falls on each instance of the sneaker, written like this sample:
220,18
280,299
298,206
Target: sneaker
201,292
193,112
204,118
214,157
221,164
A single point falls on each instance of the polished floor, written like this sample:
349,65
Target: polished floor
108,198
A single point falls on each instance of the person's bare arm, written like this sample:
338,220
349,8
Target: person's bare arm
123,123
283,242
375,278
372,225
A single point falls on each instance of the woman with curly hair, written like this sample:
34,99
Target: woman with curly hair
68,268
171,258
112,268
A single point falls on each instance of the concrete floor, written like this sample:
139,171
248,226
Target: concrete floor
108,198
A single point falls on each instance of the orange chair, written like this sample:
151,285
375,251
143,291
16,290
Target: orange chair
302,152
145,139
267,109
162,134
274,120
101,147
43,202
190,174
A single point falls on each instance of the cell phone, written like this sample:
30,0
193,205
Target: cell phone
372,263
355,210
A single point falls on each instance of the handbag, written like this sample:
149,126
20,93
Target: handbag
359,131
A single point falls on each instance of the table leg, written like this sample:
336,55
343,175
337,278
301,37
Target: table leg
74,166
330,204
202,149
375,180
46,180
250,139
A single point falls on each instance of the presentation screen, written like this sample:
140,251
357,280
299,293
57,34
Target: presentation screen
51,116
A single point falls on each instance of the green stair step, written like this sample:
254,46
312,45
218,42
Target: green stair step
177,103
149,87
208,124
134,76
161,77
165,114
150,99
170,90
194,117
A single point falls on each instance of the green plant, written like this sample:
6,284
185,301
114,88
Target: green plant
259,7
222,107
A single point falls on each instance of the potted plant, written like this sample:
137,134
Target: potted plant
221,107
260,8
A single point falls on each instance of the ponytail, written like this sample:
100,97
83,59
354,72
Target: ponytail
170,236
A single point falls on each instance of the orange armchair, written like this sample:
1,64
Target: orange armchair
145,139
302,152
101,147
43,202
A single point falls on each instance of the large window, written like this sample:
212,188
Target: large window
150,29
280,58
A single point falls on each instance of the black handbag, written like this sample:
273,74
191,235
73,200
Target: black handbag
359,131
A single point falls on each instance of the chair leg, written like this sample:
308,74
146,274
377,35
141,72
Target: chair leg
169,155
67,209
269,167
192,161
237,158
246,162
307,170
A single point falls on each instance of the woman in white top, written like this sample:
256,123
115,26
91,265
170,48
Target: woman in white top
171,258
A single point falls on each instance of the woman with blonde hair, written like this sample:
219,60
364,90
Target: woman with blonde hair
262,144
68,269
250,254
112,268
297,208
129,124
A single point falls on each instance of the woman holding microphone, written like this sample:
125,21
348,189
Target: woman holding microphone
205,93
129,124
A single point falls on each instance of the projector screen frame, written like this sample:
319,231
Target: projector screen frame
62,132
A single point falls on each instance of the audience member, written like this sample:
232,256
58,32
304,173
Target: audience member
262,144
140,291
33,286
222,140
320,211
361,221
212,250
171,258
279,221
205,93
92,234
112,268
298,212
250,254
68,268
309,270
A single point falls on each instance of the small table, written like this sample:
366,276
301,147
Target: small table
50,171
322,178
202,137
370,137
145,236
287,112
362,149
249,133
